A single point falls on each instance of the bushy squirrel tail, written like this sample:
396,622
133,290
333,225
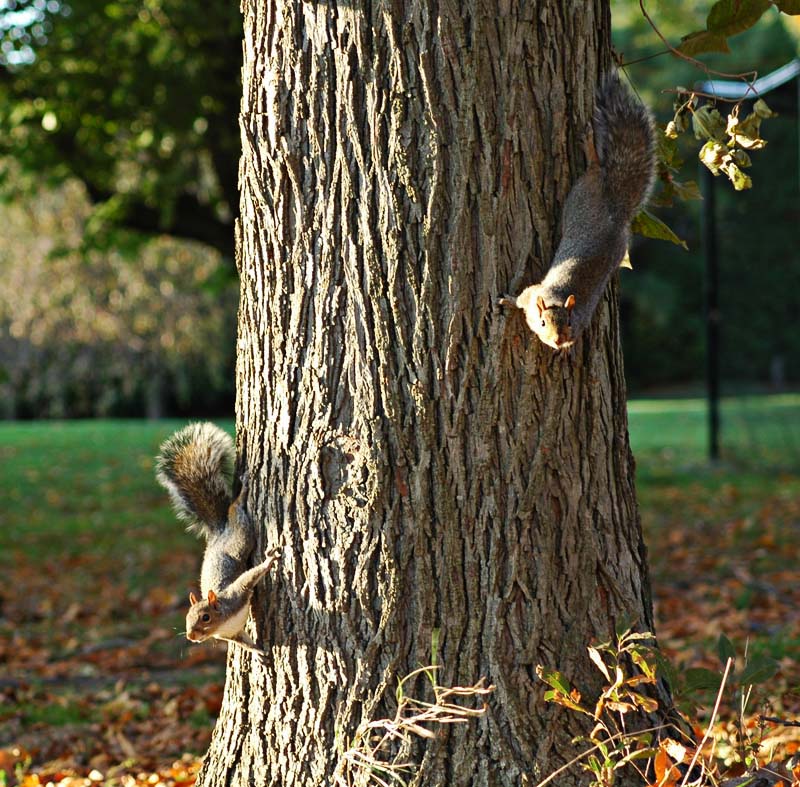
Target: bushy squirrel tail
625,144
196,467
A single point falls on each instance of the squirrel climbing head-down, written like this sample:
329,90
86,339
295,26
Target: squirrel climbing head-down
196,466
620,155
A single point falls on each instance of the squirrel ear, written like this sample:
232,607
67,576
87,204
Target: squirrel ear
212,597
569,304
540,305
193,599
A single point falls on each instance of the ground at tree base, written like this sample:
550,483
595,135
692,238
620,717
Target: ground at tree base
98,686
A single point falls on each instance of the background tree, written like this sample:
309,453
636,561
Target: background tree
434,472
136,100
97,334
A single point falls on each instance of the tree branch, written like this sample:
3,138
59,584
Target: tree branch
191,220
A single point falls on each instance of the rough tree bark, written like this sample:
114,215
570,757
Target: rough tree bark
426,462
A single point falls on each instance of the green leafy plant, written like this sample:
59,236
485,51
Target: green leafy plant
661,760
727,18
727,140
627,664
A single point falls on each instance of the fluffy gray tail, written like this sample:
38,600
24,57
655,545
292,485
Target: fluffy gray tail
195,466
625,145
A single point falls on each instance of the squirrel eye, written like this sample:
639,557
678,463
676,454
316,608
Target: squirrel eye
206,618
542,323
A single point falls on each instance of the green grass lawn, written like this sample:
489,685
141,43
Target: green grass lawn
72,485
756,432
96,572
722,537
68,481
88,539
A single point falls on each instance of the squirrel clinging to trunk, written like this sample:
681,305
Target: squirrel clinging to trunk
196,467
596,218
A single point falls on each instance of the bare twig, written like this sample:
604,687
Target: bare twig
689,59
367,761
777,720
645,58
728,665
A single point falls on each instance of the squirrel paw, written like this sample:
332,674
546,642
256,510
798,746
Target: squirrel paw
507,300
270,556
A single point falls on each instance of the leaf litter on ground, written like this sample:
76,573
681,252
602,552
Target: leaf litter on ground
99,686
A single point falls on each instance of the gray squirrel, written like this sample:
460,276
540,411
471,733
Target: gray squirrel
196,467
596,218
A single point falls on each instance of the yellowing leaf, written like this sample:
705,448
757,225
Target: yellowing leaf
760,107
729,17
637,679
712,154
736,176
707,123
649,226
646,703
703,41
594,653
726,18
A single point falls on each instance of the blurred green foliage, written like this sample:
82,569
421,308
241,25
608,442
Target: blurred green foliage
118,140
66,482
137,100
662,299
98,333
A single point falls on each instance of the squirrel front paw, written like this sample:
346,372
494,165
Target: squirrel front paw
270,556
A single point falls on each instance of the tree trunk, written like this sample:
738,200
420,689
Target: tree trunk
433,471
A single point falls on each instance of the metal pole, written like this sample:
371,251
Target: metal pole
711,310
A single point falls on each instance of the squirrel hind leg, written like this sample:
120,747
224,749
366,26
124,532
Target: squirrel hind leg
244,487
